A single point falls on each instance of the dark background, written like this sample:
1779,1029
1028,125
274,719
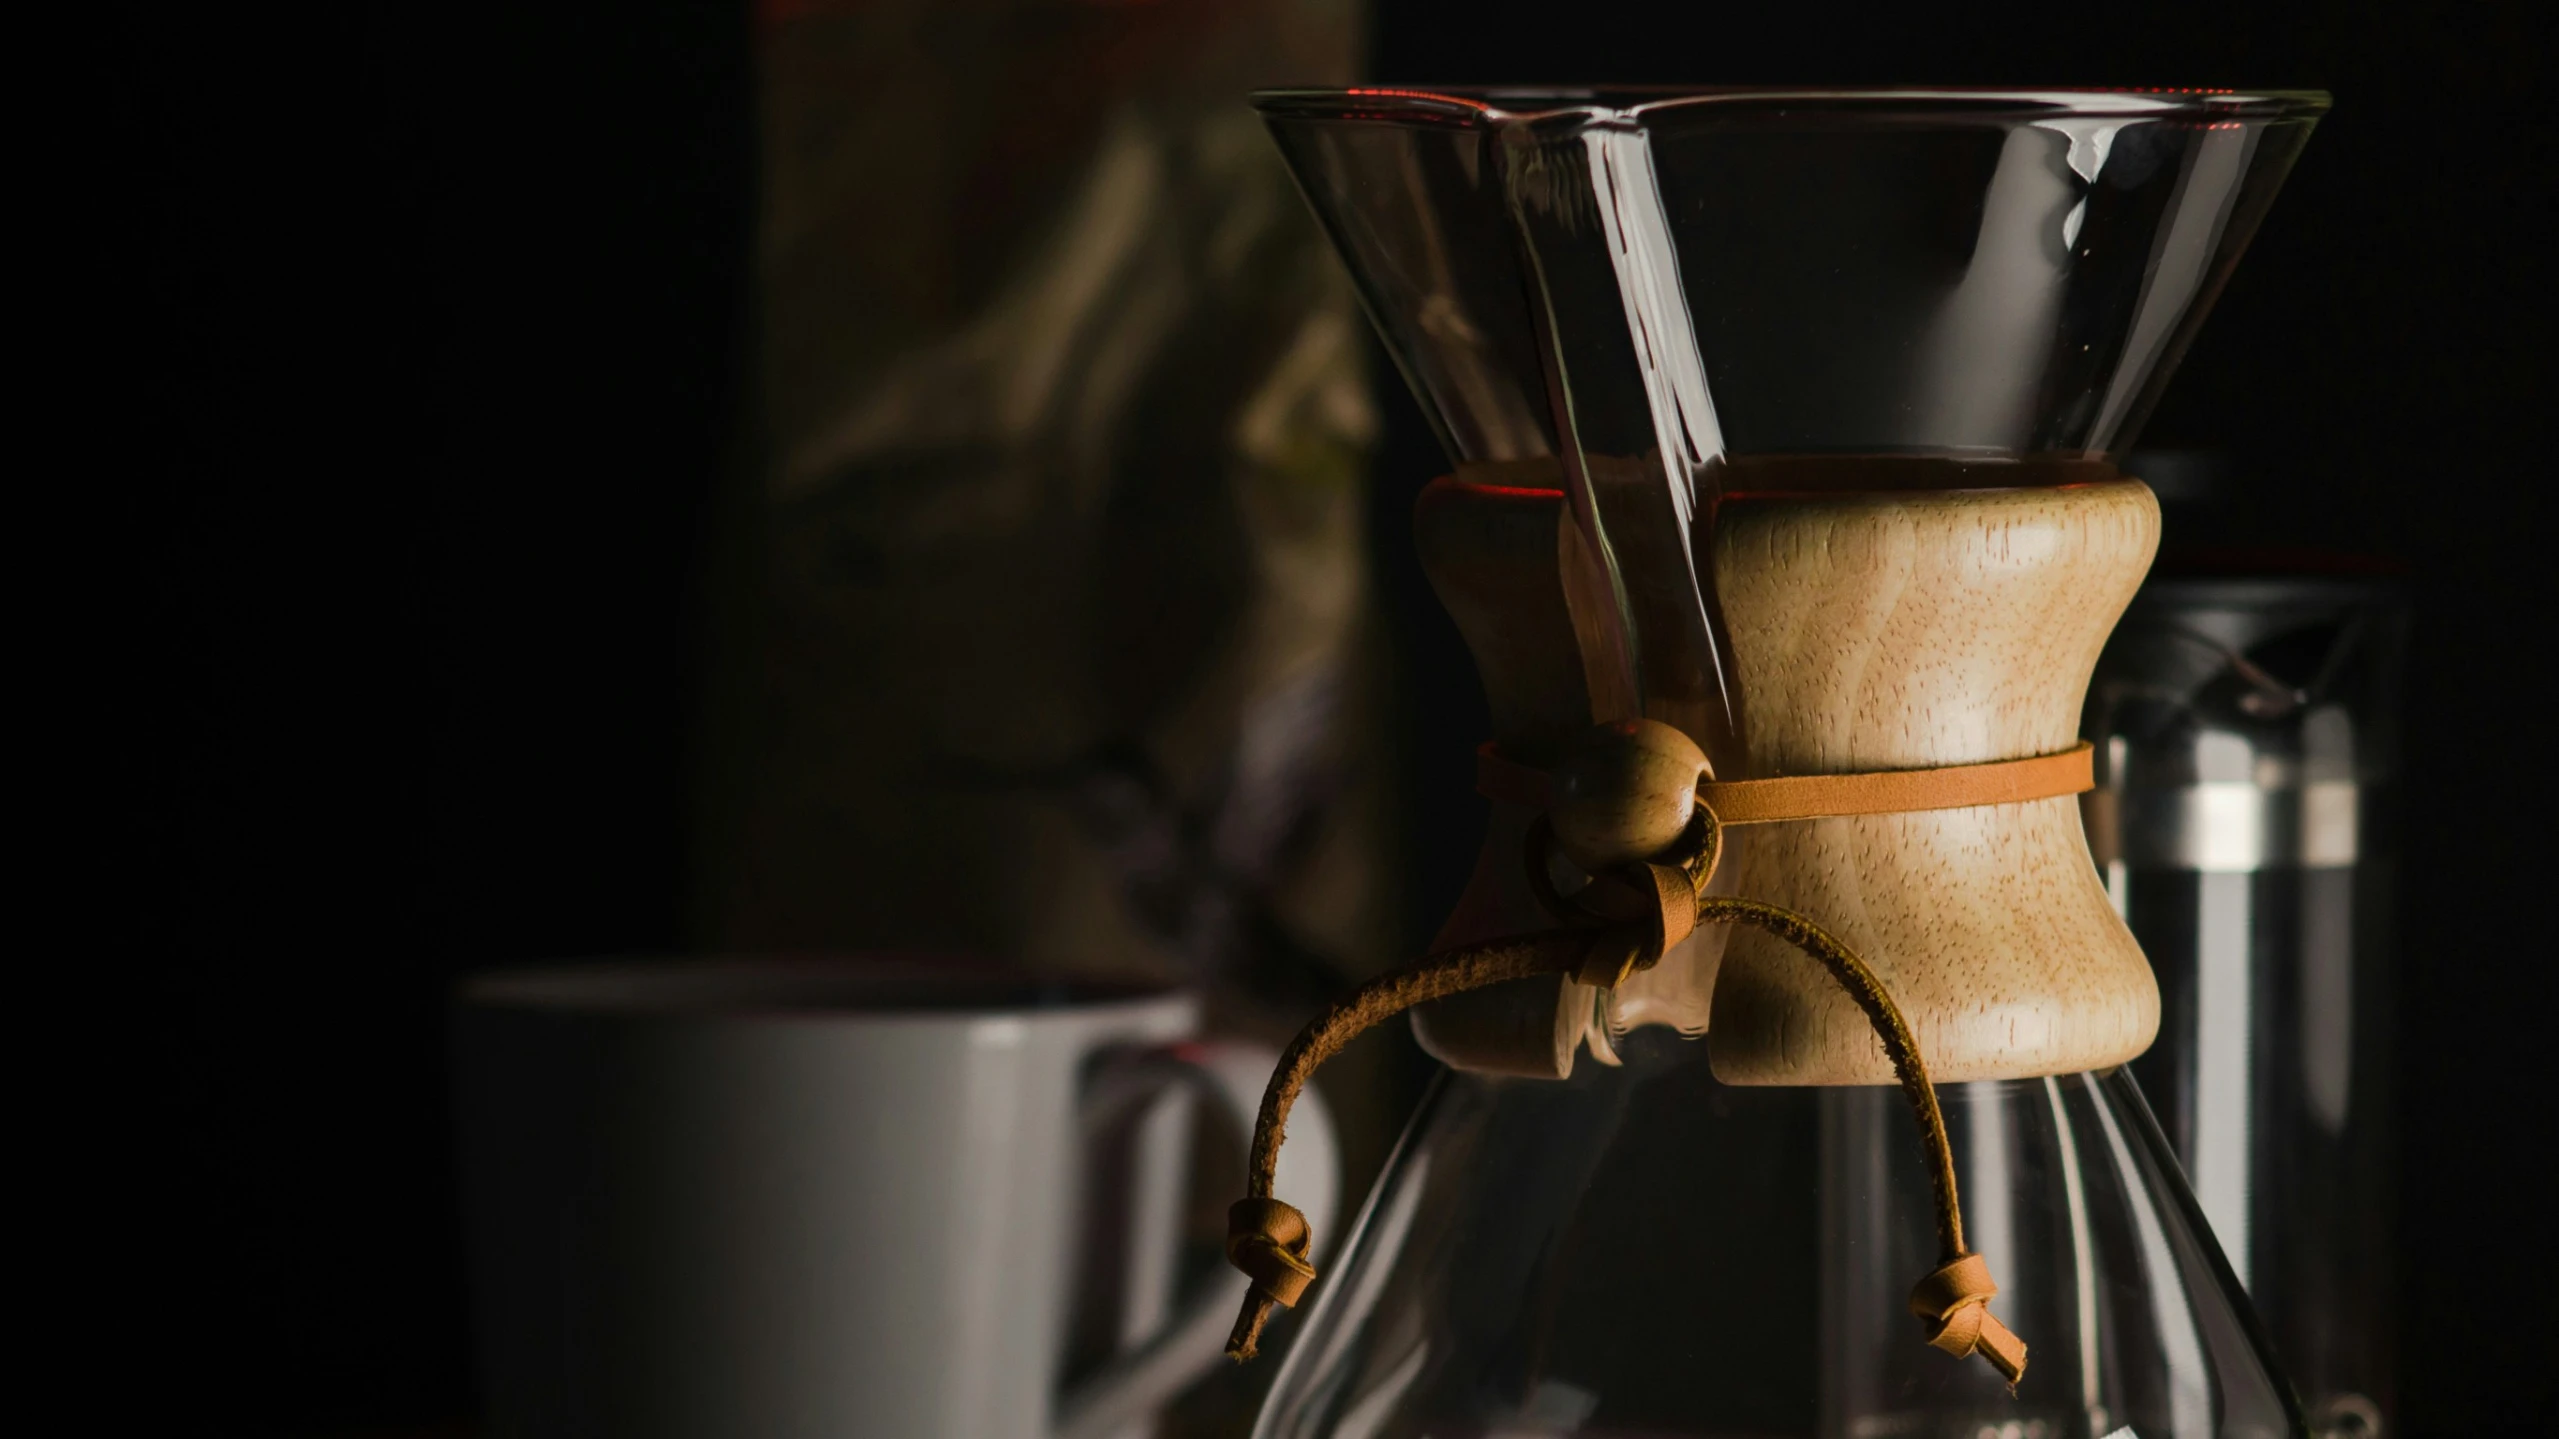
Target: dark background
417,370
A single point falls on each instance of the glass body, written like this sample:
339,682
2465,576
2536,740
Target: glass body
1627,1252
2246,732
1668,307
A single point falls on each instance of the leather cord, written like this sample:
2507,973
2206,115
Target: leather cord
1624,922
1954,1302
1822,796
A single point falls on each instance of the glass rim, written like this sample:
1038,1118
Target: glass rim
1469,105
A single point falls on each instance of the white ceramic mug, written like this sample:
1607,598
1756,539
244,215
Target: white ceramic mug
841,1199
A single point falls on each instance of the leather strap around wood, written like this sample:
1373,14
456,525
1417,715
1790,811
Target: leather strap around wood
1821,796
1609,936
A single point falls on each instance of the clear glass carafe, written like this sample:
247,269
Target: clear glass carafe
1641,1250
1788,418
2247,727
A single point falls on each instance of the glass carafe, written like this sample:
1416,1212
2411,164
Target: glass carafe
2247,740
1787,418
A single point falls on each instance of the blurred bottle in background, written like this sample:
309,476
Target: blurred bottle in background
2246,722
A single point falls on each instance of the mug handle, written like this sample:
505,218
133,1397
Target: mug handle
1134,1385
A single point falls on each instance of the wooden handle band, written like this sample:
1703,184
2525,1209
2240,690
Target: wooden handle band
1821,796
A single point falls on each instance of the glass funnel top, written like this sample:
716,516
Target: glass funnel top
1741,272
1657,302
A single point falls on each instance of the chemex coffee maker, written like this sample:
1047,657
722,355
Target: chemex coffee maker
1786,1017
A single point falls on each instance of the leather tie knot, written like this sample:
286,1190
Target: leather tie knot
1646,822
1668,914
1269,1241
1645,908
1954,1302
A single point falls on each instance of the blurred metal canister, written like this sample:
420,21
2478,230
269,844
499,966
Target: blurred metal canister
2246,733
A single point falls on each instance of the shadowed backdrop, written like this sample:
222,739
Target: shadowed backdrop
424,367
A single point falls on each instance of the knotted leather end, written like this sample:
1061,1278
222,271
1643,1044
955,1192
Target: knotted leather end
1954,1302
1668,900
1268,1240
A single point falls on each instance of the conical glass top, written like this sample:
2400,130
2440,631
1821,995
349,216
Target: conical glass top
1669,298
1936,272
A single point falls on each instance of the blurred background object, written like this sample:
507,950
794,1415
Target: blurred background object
1051,636
417,352
1043,628
807,1198
2248,817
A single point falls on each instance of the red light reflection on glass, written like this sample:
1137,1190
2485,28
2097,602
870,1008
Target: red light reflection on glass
1372,92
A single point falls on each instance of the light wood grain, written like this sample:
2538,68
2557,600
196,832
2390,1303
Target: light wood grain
1490,550
1900,631
1870,632
1624,791
1511,567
